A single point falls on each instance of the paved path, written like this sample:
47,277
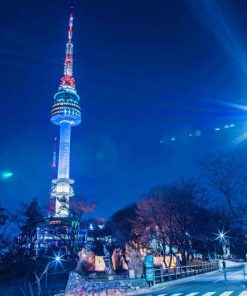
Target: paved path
210,284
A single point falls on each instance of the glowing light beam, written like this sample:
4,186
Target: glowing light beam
239,139
212,15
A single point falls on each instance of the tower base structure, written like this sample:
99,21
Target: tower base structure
62,192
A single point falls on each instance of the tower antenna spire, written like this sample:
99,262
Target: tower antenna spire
71,18
67,80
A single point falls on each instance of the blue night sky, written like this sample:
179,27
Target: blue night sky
155,77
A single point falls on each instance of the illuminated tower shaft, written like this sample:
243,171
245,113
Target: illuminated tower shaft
52,202
65,113
64,150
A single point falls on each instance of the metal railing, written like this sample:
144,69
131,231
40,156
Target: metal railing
174,273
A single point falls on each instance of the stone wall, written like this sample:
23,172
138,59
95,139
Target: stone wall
78,285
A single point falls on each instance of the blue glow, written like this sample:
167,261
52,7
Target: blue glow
6,175
198,133
58,259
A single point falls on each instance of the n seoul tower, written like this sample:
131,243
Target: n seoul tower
65,113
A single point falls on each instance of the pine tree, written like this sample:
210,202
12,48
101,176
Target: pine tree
33,218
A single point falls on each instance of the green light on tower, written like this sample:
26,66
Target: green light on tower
6,175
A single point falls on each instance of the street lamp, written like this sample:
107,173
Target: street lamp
58,259
222,237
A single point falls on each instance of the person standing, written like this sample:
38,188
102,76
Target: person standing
149,268
224,269
245,270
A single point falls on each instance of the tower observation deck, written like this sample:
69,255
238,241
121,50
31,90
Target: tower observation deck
65,113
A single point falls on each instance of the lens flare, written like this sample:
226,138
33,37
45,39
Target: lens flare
6,175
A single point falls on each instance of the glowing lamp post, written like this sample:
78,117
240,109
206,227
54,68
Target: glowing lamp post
221,236
58,259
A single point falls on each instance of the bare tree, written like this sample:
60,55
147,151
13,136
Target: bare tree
227,175
166,217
